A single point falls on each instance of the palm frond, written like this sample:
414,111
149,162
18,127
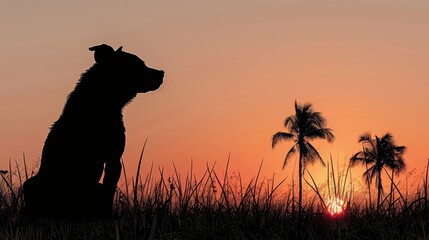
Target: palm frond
365,138
371,155
290,153
323,133
399,166
356,158
369,174
291,124
387,138
306,107
400,149
314,154
281,136
363,157
316,119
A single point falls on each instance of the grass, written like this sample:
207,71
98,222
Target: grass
217,206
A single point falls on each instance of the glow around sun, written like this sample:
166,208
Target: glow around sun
335,206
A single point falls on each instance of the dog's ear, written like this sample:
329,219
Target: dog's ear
102,52
119,49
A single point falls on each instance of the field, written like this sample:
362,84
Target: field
220,206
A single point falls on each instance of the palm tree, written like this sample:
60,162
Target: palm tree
305,125
381,153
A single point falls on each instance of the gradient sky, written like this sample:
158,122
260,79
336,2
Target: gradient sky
233,71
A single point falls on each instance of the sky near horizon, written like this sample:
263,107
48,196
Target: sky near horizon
233,71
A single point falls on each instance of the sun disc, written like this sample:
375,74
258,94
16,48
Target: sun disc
335,206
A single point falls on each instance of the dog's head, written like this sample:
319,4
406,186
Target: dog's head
127,72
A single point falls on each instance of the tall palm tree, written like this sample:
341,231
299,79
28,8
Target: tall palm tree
305,125
381,153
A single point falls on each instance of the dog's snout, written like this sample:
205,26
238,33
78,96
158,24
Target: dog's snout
162,73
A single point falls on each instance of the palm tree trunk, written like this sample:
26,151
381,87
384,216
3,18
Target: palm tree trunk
379,190
391,191
369,187
300,186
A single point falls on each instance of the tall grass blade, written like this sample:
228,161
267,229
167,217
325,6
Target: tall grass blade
328,180
25,167
225,178
125,179
256,181
223,191
315,188
179,180
345,178
396,187
426,185
10,177
19,173
138,173
333,177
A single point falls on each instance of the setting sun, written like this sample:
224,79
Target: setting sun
335,207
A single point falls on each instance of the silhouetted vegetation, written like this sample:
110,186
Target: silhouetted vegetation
303,126
217,206
380,153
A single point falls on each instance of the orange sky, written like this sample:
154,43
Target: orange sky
233,71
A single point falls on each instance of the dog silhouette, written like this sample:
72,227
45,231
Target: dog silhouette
89,138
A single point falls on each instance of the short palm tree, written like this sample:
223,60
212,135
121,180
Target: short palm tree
305,125
380,153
